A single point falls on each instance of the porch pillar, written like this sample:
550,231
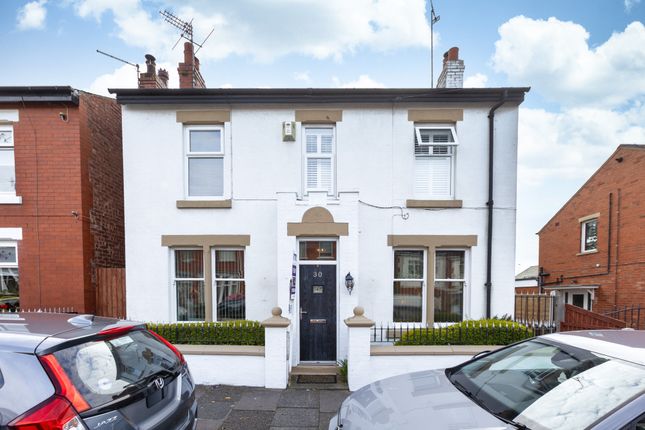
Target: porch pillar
358,349
276,350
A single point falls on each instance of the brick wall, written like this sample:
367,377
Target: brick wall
617,192
69,174
48,177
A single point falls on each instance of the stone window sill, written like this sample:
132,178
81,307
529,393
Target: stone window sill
432,204
204,204
593,251
10,200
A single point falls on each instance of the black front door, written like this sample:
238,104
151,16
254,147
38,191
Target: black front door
318,312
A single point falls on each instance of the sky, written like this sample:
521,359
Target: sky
583,59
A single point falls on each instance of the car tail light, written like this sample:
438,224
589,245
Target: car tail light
64,386
56,413
169,345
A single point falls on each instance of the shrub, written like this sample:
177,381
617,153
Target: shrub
343,370
239,332
472,332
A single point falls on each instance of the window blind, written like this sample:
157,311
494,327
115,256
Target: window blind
319,150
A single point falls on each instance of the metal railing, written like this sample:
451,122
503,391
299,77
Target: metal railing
630,314
50,310
457,334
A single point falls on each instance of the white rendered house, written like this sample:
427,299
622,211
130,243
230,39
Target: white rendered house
239,200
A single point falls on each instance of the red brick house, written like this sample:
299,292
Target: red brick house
592,252
61,195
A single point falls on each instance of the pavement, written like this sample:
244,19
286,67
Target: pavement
244,408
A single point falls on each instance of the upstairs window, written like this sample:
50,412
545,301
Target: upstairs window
434,162
204,162
589,235
319,159
7,161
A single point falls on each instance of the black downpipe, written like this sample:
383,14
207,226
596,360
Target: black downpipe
490,203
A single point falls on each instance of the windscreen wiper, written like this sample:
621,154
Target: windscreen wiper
474,398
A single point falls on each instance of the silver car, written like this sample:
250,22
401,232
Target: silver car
574,380
65,372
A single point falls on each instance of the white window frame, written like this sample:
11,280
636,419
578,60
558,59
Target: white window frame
307,156
453,155
215,279
10,244
219,154
12,146
465,293
583,235
174,279
424,286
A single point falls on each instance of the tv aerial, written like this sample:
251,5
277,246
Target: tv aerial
121,60
186,28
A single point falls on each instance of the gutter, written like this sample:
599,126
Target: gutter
490,202
39,95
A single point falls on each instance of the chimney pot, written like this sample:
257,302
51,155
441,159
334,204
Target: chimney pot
163,78
189,74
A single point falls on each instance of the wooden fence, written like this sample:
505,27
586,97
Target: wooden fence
535,308
110,292
576,318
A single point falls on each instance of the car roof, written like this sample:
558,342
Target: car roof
24,331
627,344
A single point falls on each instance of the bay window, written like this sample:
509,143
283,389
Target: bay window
449,283
230,284
409,285
189,282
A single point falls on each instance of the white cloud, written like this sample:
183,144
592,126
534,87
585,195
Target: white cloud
629,4
572,144
32,15
226,85
363,81
554,57
302,76
126,77
478,80
267,30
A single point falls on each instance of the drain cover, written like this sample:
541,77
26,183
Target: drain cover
316,379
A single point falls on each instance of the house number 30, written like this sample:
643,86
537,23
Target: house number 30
317,274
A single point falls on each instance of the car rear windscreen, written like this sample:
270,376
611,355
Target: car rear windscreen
105,370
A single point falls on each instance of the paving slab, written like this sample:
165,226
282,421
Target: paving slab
299,399
323,420
209,424
246,420
259,400
331,400
214,410
221,393
295,417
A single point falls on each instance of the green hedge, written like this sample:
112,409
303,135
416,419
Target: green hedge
472,332
240,332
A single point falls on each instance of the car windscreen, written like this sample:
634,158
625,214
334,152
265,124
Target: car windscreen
104,370
549,386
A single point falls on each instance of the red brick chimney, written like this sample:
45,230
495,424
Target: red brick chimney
452,75
150,79
189,75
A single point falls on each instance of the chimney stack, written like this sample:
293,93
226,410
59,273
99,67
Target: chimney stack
189,75
150,79
452,75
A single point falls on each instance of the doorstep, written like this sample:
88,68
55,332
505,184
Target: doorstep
316,377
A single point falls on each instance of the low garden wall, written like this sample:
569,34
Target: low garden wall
226,364
386,361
